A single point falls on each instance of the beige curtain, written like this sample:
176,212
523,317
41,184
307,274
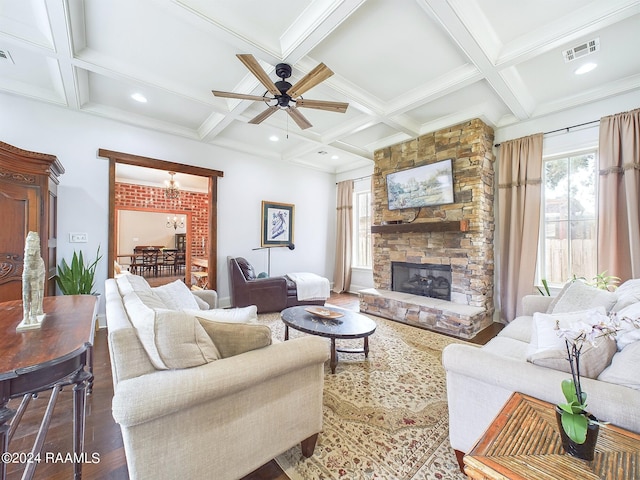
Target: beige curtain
619,195
519,185
344,230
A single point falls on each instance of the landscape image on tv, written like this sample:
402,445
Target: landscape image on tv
421,186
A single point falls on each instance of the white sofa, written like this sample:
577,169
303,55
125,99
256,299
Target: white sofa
480,380
185,414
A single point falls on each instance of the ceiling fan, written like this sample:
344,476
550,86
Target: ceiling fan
285,96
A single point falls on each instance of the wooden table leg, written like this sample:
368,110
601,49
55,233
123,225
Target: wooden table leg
334,356
366,347
286,332
79,406
5,414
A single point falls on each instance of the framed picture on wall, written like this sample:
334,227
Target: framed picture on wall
277,224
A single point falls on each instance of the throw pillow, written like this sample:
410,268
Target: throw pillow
544,335
577,295
131,283
176,296
150,299
235,338
547,349
628,333
623,369
628,293
230,315
172,339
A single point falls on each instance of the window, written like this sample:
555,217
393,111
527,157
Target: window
362,256
569,218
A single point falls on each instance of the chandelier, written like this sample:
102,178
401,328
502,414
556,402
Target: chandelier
171,189
175,223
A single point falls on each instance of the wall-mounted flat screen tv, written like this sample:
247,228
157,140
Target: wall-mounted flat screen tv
421,186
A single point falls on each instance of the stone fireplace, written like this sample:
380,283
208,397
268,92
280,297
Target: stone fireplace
456,238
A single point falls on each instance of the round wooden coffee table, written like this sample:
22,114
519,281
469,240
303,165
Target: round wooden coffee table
330,322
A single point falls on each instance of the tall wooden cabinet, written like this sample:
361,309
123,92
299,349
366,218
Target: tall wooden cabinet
28,202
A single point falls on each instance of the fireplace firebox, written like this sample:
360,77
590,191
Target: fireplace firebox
428,280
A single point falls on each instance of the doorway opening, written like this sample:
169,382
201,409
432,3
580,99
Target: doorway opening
208,227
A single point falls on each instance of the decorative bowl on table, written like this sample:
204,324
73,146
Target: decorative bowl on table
323,312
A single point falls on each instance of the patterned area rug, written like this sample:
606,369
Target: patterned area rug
385,417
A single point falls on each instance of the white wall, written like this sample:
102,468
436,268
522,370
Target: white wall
146,228
75,138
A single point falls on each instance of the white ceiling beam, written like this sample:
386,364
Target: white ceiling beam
462,37
140,121
452,81
317,21
611,89
63,74
240,42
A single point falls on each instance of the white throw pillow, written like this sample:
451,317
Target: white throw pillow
624,368
547,349
132,283
176,296
577,295
150,299
628,333
628,293
230,315
172,339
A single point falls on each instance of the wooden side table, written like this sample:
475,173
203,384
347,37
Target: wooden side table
523,443
57,355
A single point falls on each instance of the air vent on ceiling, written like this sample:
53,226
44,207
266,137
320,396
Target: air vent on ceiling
581,50
5,56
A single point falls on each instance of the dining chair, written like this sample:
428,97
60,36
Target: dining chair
169,259
180,261
150,261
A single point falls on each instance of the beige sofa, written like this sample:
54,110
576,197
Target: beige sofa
185,414
480,380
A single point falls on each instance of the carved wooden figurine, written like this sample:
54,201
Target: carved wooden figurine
33,275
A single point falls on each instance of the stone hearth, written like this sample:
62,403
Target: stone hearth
458,235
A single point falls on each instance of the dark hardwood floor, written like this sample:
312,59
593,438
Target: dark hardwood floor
103,441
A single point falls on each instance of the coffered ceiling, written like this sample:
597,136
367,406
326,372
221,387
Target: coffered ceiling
406,67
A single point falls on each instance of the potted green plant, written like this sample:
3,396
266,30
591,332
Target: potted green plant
605,282
79,277
579,428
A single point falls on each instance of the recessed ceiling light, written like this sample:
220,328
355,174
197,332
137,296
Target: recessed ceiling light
138,97
587,67
274,138
334,157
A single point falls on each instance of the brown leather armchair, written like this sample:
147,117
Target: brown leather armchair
268,294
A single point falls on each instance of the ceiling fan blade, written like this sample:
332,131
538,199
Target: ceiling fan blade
254,67
338,107
240,96
264,115
310,80
298,118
